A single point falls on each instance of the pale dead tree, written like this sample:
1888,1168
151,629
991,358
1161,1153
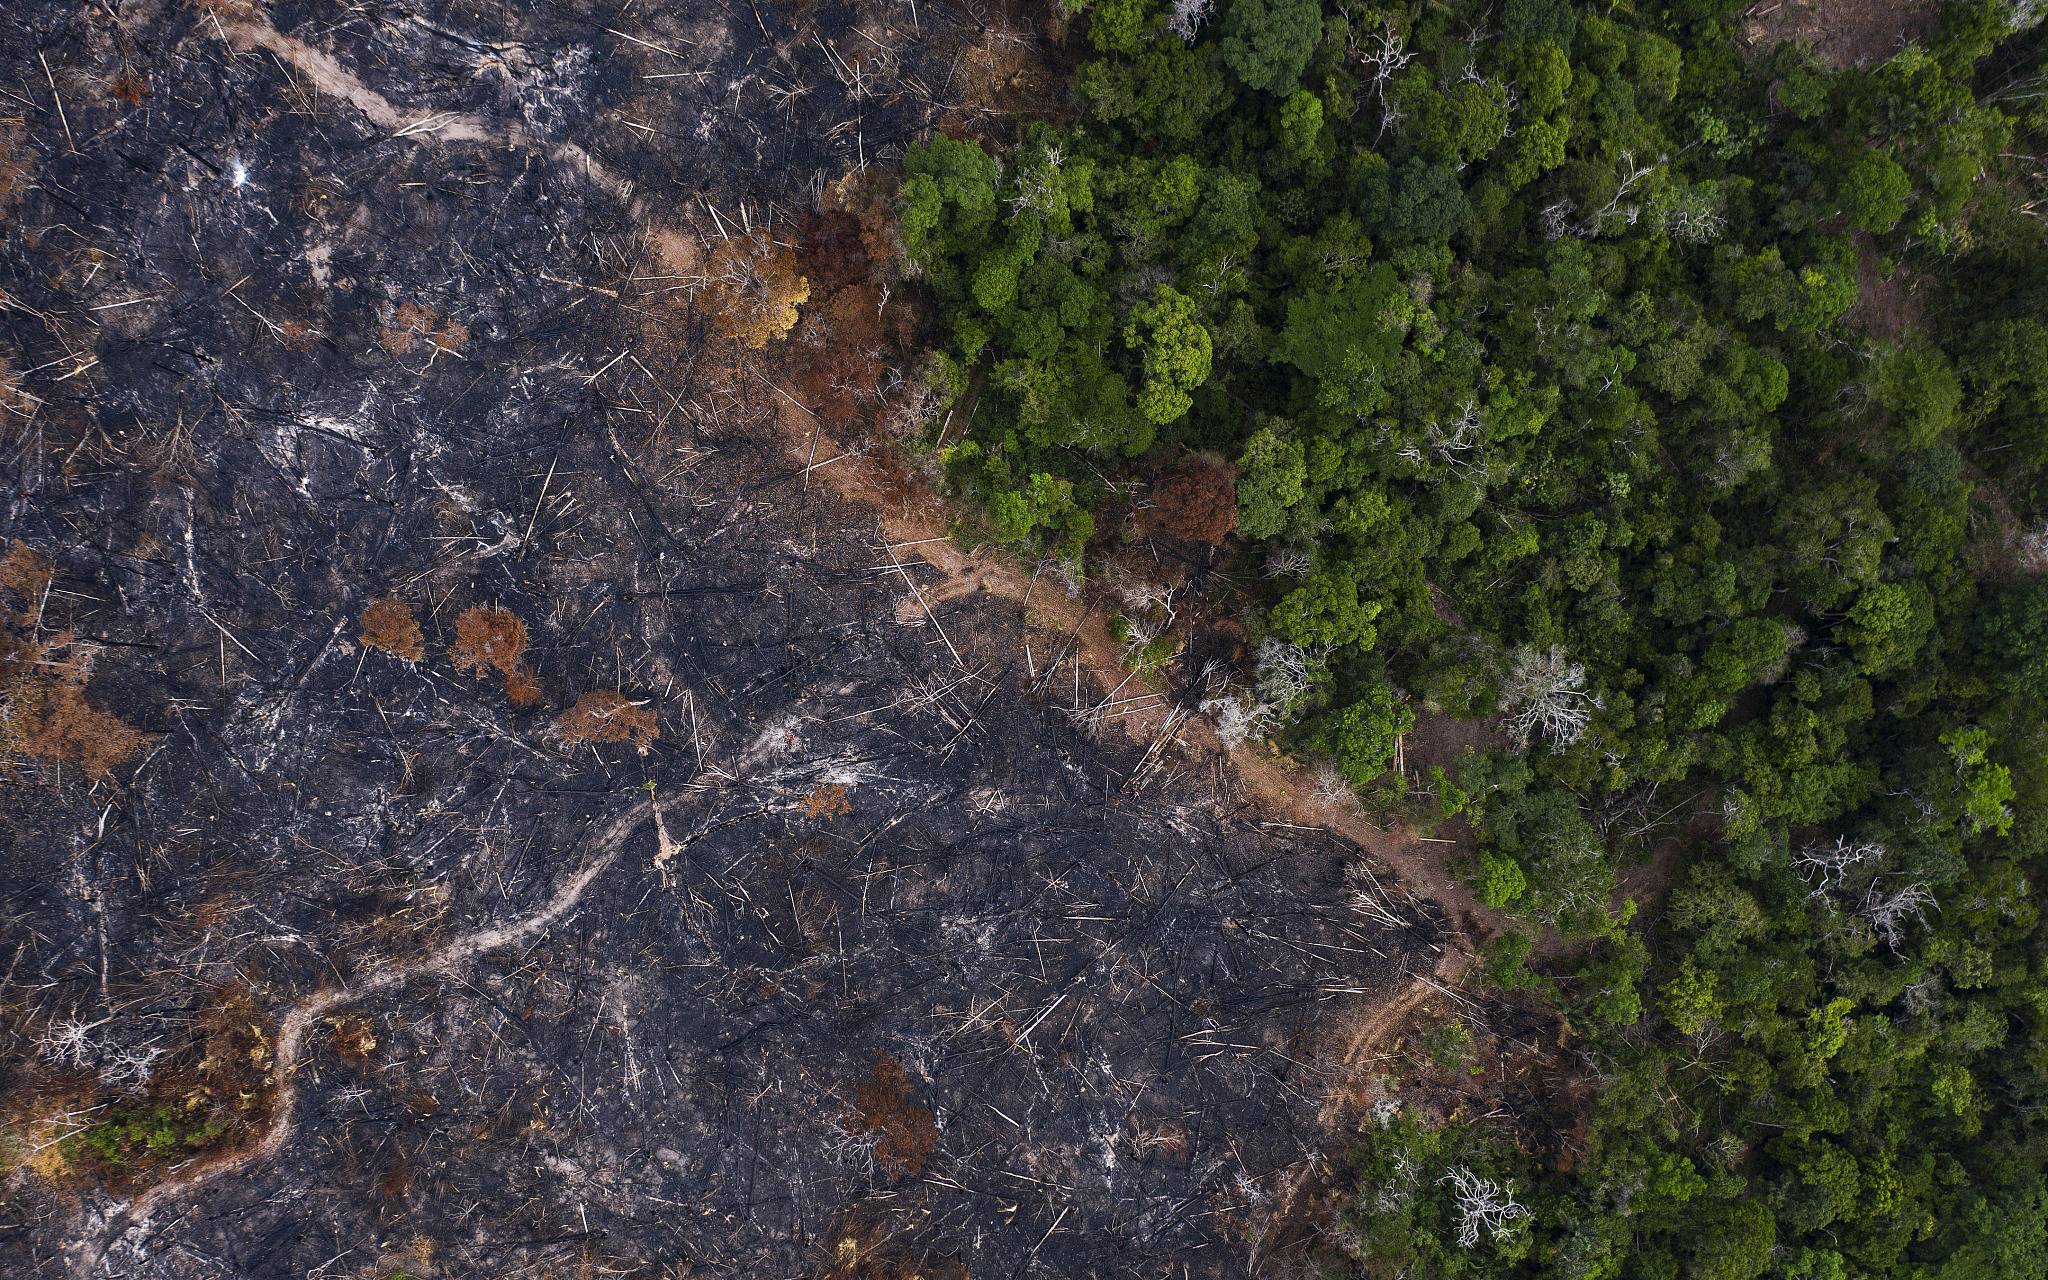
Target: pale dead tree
1461,443
1239,718
2032,550
353,1095
130,1067
1629,816
1226,268
1065,571
1509,97
1327,786
1556,219
1696,218
1186,18
1141,596
68,1042
1139,633
1890,913
1632,175
1545,693
913,404
1573,882
1482,1205
1922,995
1038,183
1398,1191
1610,380
1288,562
850,1147
1284,674
1383,54
71,1042
1825,867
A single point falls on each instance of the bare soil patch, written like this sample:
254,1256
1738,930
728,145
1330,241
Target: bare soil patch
1844,33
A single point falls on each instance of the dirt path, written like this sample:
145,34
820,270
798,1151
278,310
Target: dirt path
915,526
605,847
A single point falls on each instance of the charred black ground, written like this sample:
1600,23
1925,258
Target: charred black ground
276,360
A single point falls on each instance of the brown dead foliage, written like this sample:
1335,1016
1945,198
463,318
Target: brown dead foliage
1196,501
43,712
17,164
12,397
297,338
493,639
756,289
521,689
389,626
871,201
835,255
605,716
904,1131
354,1038
841,367
410,322
488,638
852,322
864,1248
129,85
51,721
827,801
27,573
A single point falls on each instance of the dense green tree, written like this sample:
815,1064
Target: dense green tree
1268,42
1874,191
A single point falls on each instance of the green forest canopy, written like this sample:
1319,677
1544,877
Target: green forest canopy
1533,332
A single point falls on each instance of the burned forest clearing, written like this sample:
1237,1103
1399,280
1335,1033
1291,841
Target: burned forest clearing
508,772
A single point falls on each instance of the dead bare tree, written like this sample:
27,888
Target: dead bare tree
1618,206
1545,692
1482,1205
1288,562
1696,216
1890,912
1186,17
1383,53
1825,867
1460,444
1284,673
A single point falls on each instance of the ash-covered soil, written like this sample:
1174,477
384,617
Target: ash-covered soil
873,962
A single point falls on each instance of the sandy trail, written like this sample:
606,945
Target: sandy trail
605,847
918,527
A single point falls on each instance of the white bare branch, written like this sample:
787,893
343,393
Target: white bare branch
1545,694
1186,17
1825,867
1482,1205
1890,912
